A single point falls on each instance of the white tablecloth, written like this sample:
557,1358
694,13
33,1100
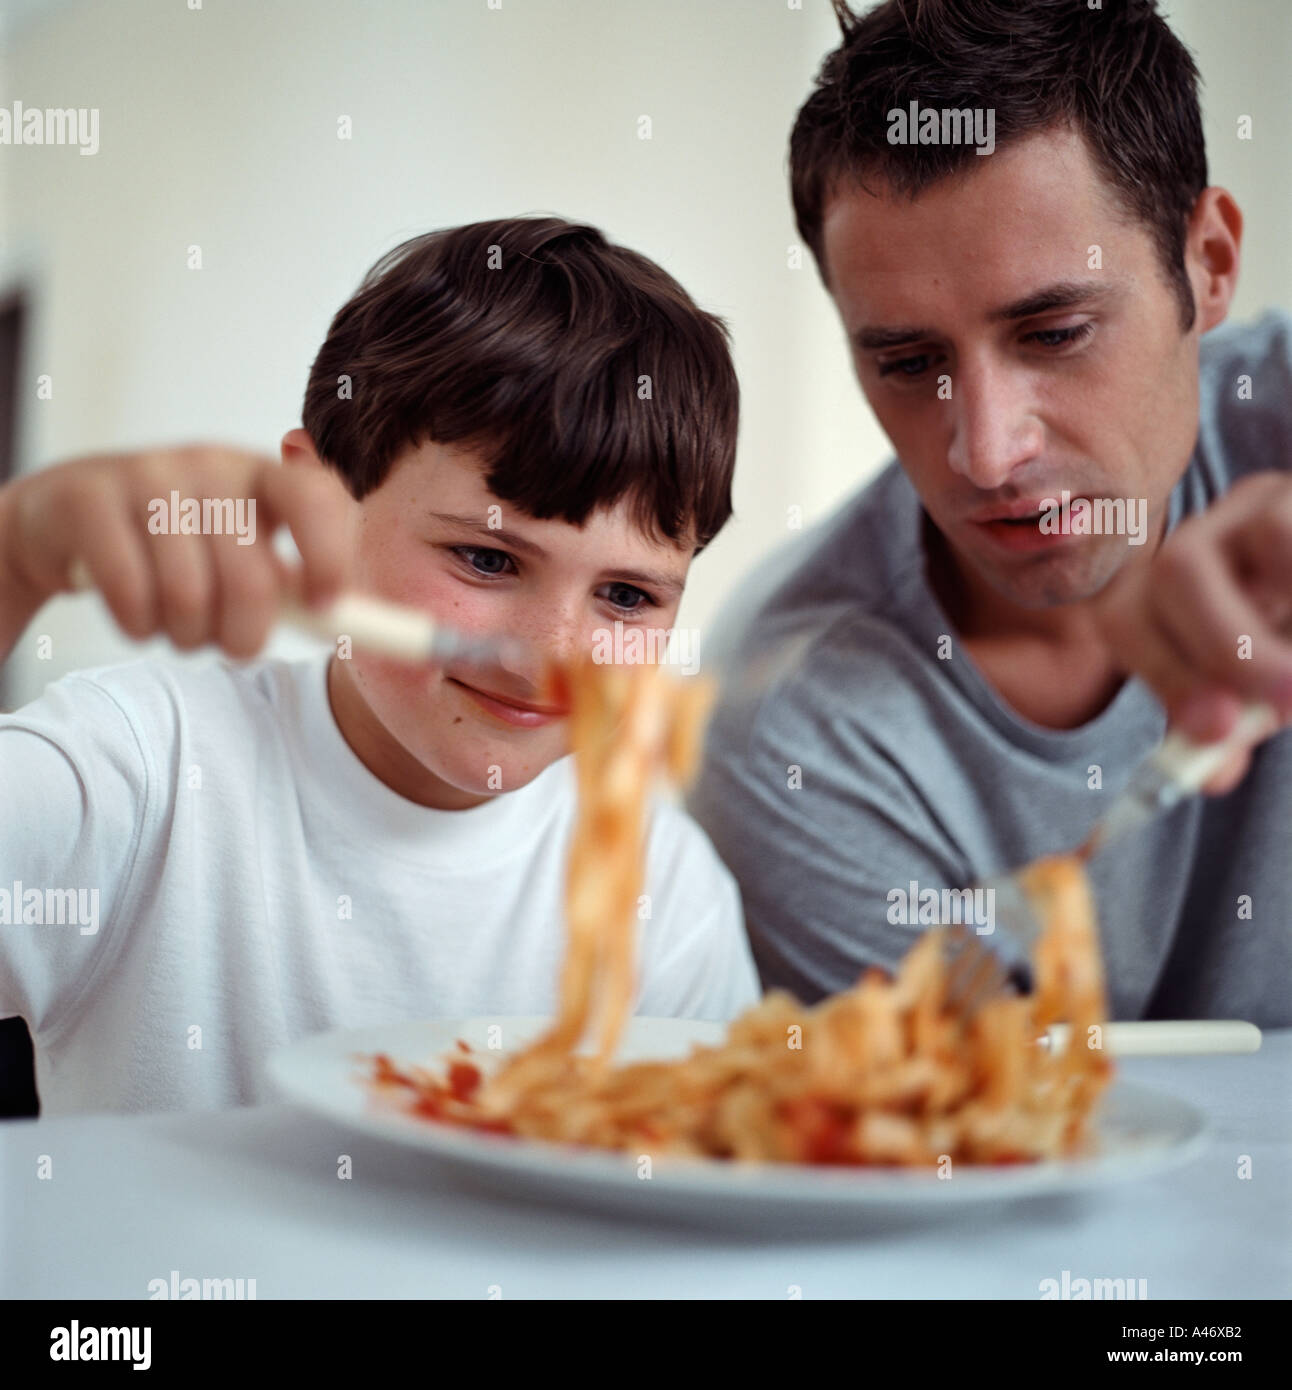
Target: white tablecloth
255,1194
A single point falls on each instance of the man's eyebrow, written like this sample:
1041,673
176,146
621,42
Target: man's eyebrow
876,339
655,579
1061,295
1064,294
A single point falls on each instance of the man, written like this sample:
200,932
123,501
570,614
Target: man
933,686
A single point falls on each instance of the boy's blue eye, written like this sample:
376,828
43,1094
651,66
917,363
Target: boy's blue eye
483,560
493,564
626,596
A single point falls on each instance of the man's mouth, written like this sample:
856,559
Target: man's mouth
1017,526
1020,513
520,714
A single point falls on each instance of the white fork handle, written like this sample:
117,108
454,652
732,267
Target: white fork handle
1189,765
389,629
1168,1037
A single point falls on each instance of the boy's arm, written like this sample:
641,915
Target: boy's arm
19,601
113,514
75,788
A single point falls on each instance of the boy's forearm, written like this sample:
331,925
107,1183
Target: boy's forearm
19,602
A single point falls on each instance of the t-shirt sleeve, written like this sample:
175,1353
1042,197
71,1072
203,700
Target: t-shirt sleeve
820,825
73,793
1245,387
696,960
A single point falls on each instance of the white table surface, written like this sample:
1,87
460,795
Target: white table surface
254,1193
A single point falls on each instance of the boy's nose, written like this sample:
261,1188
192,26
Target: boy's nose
539,655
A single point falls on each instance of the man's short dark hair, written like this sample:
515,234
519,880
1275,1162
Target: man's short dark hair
1116,74
531,340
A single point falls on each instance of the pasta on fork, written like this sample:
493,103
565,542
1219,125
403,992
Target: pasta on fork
888,1072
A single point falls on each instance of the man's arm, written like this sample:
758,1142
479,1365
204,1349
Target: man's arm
1208,625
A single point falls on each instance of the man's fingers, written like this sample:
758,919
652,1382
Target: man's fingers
1207,714
1145,650
1229,774
1207,615
1261,553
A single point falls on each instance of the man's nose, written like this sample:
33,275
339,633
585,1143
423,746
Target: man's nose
994,430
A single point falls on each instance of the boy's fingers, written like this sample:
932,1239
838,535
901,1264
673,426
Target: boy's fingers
250,586
185,573
113,552
315,505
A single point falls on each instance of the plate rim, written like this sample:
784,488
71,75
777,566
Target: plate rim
572,1165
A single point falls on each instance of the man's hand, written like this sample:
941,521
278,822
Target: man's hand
1208,624
194,588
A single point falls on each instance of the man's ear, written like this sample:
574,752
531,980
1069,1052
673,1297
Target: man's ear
1214,238
298,447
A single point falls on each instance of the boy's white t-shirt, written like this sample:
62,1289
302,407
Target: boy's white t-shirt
242,880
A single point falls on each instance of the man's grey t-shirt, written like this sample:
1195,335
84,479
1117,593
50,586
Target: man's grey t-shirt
847,760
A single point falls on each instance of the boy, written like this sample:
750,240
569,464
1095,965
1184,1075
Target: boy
513,425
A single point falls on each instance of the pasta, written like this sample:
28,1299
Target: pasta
888,1072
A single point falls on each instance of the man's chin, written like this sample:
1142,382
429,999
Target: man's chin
1052,581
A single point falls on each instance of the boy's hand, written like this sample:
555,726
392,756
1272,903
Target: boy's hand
193,588
1208,625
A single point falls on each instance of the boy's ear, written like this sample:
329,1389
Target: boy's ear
298,447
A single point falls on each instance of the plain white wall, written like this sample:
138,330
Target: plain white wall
218,128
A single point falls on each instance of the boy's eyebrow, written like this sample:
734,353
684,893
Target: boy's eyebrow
1061,295
496,533
655,579
650,579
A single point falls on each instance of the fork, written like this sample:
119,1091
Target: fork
388,629
1178,768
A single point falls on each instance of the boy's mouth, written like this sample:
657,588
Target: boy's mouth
520,714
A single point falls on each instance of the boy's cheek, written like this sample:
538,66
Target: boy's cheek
427,582
392,686
439,726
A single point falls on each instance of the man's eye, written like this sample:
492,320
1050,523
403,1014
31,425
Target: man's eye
1052,338
906,366
483,561
1061,337
627,597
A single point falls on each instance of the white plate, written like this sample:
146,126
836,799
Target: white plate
1140,1131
